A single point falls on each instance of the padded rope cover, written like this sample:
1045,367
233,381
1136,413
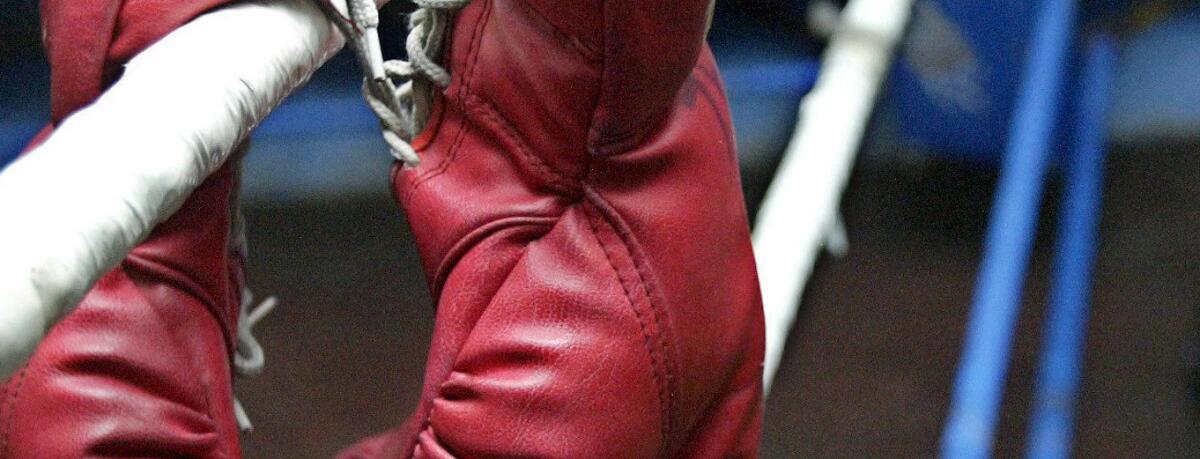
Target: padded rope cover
113,170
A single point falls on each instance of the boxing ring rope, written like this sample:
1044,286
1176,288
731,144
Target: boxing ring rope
1059,374
115,169
979,383
800,208
136,173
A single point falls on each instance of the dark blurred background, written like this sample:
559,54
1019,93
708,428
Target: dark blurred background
869,366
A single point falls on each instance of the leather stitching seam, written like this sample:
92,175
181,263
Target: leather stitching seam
593,132
712,103
441,168
706,71
209,415
12,411
473,238
660,367
488,117
464,82
599,143
500,225
193,358
184,283
574,43
473,53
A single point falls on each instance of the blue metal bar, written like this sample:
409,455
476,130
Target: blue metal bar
1057,385
979,384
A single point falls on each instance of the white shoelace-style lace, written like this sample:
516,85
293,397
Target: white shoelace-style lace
248,356
402,110
248,360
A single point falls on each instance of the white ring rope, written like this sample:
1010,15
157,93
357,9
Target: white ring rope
800,207
75,206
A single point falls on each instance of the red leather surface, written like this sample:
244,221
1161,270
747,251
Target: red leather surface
580,219
141,367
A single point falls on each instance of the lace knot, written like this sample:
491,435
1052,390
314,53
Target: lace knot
403,109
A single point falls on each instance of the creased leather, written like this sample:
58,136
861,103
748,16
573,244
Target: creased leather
579,217
141,367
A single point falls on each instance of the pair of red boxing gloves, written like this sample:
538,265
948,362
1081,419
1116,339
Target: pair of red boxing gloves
578,212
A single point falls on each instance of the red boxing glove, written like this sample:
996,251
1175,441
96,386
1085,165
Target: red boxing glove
580,220
142,367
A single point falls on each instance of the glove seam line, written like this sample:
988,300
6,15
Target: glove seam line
471,61
573,42
472,239
444,165
489,118
197,364
705,72
12,411
593,134
188,286
656,343
458,250
473,52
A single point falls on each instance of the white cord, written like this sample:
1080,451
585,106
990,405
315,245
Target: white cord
402,110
